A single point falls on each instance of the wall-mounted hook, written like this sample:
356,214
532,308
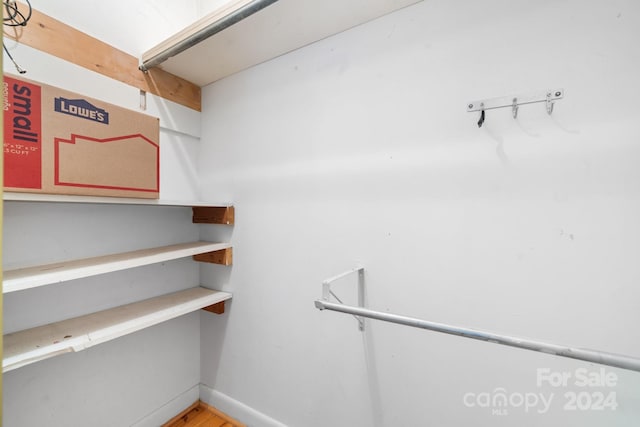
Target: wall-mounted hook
549,103
549,97
481,120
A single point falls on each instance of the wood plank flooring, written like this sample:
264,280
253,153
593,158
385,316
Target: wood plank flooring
202,415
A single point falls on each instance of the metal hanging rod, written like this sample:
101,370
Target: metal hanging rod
601,357
230,19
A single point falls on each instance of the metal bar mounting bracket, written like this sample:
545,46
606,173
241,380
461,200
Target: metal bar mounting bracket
327,293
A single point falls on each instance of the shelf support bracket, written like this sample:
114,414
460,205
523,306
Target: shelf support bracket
327,293
213,215
222,257
217,308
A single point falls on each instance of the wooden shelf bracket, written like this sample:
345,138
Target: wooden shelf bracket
222,257
213,215
217,308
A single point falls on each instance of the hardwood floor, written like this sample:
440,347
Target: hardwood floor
202,415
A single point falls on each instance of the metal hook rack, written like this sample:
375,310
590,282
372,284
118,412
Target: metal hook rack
548,97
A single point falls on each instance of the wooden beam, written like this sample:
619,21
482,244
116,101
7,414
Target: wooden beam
59,39
217,308
222,257
213,215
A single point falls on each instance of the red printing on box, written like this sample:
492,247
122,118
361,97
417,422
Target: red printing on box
22,134
74,138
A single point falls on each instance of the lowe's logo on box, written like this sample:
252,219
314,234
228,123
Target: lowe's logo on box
81,108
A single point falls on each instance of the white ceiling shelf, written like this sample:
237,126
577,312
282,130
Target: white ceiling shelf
30,277
61,198
32,345
279,28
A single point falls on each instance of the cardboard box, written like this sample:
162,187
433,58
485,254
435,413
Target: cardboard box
58,142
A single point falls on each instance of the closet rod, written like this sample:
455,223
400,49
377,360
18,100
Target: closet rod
603,358
215,27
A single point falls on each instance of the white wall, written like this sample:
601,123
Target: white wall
359,150
144,378
122,381
204,7
133,26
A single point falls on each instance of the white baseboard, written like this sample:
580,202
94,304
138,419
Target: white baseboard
170,409
235,409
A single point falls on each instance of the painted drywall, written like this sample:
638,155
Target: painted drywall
145,378
358,150
122,381
113,384
132,27
205,7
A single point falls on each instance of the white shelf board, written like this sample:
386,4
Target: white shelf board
32,345
279,28
31,277
62,198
